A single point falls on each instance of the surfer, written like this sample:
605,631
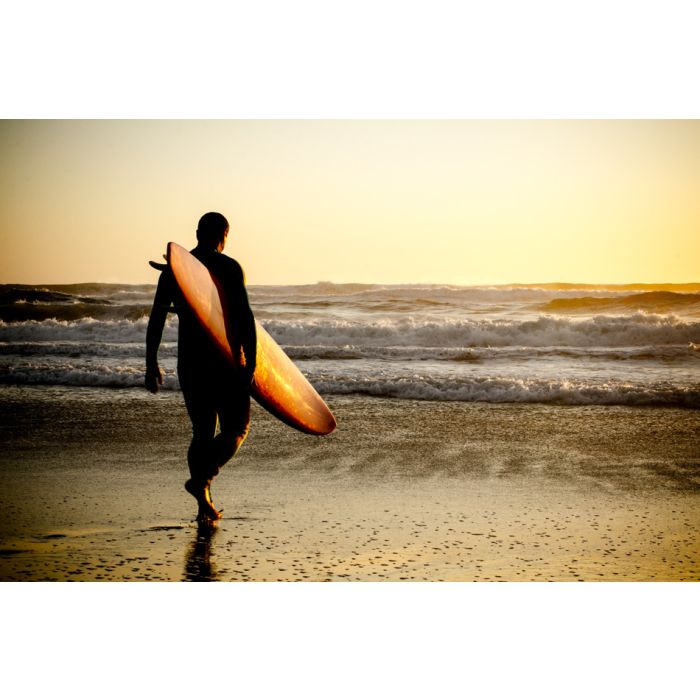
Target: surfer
214,391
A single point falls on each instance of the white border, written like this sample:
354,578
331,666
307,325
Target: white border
325,59
350,640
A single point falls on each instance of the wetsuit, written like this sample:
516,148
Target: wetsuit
213,390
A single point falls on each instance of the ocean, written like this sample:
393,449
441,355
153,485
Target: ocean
550,344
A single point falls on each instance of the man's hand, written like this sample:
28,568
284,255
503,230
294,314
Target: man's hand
243,376
154,379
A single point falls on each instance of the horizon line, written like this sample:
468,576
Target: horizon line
525,285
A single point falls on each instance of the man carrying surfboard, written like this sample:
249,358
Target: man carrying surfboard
215,391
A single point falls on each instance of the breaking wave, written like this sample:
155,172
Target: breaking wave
543,331
83,330
508,390
634,330
489,389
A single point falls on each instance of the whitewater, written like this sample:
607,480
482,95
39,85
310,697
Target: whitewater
552,344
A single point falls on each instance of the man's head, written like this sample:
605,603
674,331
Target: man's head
212,230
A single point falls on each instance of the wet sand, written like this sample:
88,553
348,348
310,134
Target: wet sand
403,491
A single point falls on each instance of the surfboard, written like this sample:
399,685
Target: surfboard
278,384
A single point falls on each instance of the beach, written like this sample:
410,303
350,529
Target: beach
404,490
541,433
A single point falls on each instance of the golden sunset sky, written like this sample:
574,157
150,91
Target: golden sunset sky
456,202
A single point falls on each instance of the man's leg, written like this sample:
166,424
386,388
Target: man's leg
200,456
234,420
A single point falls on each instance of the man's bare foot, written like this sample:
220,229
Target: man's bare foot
207,495
201,492
205,518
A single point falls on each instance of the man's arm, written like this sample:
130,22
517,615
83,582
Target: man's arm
245,325
154,332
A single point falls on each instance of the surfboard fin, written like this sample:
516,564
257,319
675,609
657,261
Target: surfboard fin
158,266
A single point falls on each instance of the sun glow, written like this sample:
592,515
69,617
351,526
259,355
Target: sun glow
460,202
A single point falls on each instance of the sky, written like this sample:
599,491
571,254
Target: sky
453,202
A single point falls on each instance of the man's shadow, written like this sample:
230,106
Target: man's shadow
198,565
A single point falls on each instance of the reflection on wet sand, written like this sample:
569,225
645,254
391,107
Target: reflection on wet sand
198,564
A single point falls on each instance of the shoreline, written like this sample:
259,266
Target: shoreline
402,491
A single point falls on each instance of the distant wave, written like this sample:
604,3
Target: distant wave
115,302
402,297
81,288
656,302
44,311
22,295
74,302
